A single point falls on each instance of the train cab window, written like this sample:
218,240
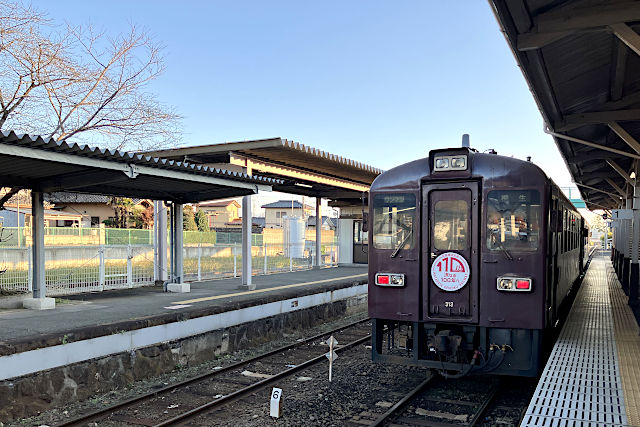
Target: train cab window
513,220
393,221
451,224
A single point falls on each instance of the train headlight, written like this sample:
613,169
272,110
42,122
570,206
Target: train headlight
450,163
397,279
390,279
458,163
442,163
517,284
505,284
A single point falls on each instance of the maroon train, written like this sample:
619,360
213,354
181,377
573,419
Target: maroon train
471,256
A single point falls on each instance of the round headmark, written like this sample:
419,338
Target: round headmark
450,271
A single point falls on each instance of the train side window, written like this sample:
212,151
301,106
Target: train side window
393,221
451,225
513,220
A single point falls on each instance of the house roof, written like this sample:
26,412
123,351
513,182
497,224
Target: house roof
61,197
283,204
311,221
219,204
47,213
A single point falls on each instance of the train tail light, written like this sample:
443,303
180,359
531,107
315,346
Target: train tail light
390,279
514,284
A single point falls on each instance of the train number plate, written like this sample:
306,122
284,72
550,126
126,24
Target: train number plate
450,271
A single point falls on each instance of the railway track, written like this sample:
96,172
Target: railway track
437,402
207,392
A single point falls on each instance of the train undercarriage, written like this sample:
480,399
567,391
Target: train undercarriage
456,350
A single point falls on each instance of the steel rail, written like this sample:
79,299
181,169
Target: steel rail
130,402
400,404
236,395
485,405
380,421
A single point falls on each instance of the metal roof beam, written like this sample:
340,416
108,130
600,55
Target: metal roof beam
624,135
290,172
77,181
626,34
616,187
620,171
592,144
596,189
619,64
573,121
556,24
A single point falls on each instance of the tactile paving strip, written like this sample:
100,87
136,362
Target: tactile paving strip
628,343
580,385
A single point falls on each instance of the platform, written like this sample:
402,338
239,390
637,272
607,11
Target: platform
146,316
592,376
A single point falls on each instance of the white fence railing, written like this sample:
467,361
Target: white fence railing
78,269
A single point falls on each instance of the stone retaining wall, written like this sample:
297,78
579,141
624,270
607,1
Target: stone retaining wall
26,396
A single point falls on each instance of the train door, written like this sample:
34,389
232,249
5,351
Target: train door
450,252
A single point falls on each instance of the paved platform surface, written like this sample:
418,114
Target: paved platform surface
591,378
89,315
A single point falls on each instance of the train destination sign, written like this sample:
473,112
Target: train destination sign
450,271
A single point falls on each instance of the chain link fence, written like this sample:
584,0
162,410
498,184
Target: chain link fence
93,260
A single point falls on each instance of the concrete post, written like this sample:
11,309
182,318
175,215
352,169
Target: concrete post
160,241
177,250
39,300
318,233
246,244
179,243
172,238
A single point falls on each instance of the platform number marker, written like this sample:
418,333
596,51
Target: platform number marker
332,354
276,403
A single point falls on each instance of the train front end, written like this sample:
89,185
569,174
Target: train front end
457,263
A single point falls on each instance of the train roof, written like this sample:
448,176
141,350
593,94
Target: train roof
482,165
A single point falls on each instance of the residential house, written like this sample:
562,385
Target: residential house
94,209
275,212
328,223
221,214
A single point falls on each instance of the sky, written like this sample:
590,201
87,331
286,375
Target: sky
378,82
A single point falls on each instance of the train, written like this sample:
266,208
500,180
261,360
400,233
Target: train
472,257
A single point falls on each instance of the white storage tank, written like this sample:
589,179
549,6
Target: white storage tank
294,236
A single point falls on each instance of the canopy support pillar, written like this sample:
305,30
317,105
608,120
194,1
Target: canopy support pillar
246,245
177,251
39,300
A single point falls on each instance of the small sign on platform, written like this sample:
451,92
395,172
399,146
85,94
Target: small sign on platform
276,402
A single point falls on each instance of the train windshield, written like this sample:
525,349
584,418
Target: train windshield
393,221
513,220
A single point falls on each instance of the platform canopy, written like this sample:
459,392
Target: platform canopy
304,170
581,60
46,165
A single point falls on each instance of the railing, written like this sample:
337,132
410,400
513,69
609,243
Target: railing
94,268
72,236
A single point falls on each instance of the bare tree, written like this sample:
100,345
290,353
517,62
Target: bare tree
75,82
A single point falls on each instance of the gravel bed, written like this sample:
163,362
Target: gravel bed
359,388
72,410
360,391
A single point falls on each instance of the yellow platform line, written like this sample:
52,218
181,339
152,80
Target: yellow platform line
258,291
628,346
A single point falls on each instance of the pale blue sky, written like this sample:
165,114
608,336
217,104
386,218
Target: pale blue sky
379,82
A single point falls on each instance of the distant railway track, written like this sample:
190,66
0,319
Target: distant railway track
214,389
